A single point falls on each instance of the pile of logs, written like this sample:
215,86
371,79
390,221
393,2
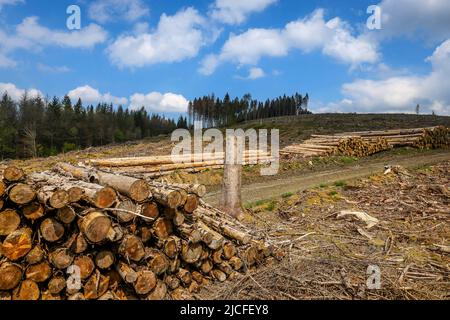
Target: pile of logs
78,233
366,143
358,147
155,166
433,138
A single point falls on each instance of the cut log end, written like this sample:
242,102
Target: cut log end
191,203
150,210
132,248
17,244
9,222
59,199
66,215
40,272
56,285
51,230
140,191
10,276
105,198
33,211
61,258
27,290
95,227
146,281
22,194
104,259
85,265
13,174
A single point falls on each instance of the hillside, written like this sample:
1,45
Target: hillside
292,129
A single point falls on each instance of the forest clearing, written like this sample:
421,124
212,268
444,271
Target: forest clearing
137,235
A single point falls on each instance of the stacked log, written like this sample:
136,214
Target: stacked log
151,167
78,233
365,143
433,138
358,147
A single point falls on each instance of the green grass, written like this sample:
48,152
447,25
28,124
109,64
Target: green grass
257,203
348,160
287,195
271,206
323,185
333,193
340,183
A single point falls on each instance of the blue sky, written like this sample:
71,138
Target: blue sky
160,54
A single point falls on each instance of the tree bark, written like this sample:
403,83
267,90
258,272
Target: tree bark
231,201
135,189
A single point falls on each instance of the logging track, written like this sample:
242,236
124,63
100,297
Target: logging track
274,187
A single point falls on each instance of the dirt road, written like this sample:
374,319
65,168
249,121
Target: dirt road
275,187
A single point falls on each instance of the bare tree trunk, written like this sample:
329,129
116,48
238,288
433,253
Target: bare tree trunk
231,201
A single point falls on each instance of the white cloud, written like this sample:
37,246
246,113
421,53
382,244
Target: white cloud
176,38
104,11
10,2
158,102
6,62
253,74
401,93
53,69
428,19
31,36
249,47
333,37
87,37
237,11
17,93
90,95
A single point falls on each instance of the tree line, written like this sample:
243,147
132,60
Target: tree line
38,127
216,112
35,127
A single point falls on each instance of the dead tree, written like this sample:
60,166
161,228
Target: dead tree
231,201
